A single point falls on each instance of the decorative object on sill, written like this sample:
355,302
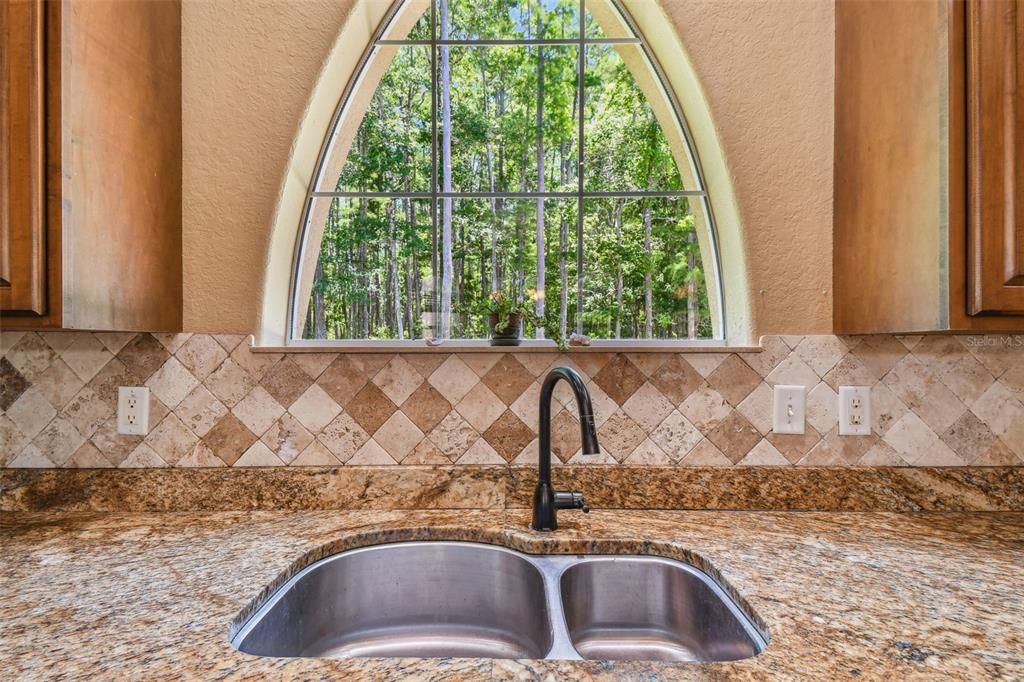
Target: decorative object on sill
510,334
579,339
433,341
506,314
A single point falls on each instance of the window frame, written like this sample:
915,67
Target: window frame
712,265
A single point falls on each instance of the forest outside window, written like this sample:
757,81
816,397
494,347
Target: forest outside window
461,162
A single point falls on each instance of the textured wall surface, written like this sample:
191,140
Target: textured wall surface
936,401
766,66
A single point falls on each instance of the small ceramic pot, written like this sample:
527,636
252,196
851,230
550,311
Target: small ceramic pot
510,335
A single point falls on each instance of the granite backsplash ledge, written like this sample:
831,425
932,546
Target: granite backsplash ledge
468,487
938,400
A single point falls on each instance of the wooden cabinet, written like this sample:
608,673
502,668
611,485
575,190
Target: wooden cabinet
995,156
90,164
929,166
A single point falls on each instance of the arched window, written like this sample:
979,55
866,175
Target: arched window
461,162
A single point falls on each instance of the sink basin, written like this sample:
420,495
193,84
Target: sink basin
422,599
652,609
461,599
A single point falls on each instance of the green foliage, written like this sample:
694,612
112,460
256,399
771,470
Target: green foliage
378,275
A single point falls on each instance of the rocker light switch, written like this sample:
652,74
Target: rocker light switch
789,409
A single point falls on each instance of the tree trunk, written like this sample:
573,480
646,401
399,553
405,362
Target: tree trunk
446,163
692,308
617,220
539,305
393,265
648,298
319,313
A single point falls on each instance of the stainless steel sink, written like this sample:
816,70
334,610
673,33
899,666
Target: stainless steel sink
460,599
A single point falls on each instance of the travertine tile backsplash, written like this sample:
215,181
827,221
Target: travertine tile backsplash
937,401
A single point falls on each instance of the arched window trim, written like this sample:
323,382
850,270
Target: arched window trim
711,256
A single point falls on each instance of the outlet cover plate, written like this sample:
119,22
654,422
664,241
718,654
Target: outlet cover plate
854,410
133,410
789,409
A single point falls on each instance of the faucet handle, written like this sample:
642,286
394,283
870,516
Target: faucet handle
571,500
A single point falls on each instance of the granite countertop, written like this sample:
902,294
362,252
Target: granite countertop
843,595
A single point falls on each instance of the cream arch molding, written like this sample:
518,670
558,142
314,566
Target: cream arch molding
336,81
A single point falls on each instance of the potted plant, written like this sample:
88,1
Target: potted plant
505,318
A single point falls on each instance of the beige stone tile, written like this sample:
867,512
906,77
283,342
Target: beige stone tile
171,439
398,436
258,410
112,445
425,454
200,457
258,455
940,352
969,437
764,454
143,457
371,363
620,435
648,363
527,406
200,410
87,412
87,457
171,341
1013,379
171,383
315,409
676,436
480,363
479,453
565,435
620,379
313,364
529,455
603,458
109,379
881,455
58,384
648,407
563,393
508,435
426,407
734,380
342,379
371,408
911,438
229,342
425,363
850,371
791,341
31,412
909,341
822,408
256,364
9,339
230,383
229,438
850,449
821,353
343,437
371,454
604,407
590,363
507,379
677,379
1003,414
793,372
773,351
143,356
705,454
30,458
315,455
31,356
60,339
998,455
12,440
453,435
115,341
648,454
921,391
998,352
12,384
757,407
480,407
86,356
734,436
453,380
821,456
286,381
287,438
398,379
201,354
794,446
886,408
705,408
705,363
878,354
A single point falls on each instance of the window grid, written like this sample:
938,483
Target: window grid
581,42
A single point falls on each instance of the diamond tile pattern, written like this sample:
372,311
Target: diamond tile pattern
937,400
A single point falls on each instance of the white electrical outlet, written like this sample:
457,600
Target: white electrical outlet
789,410
854,410
133,410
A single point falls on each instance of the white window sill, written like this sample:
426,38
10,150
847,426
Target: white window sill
527,346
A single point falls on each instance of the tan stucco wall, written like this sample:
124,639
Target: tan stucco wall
766,67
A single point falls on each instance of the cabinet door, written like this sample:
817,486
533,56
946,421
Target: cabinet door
995,156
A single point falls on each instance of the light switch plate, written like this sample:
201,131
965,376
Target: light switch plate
789,410
854,410
133,410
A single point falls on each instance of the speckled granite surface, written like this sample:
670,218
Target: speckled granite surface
499,487
867,595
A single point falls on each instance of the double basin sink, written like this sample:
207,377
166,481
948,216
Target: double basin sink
461,599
